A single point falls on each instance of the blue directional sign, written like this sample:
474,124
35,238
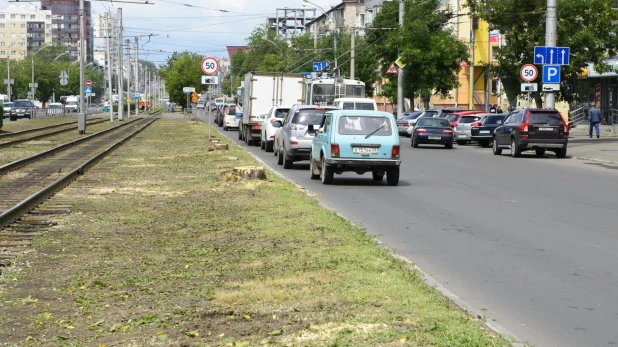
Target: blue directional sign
88,90
552,55
321,65
551,73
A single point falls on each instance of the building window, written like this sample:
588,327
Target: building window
22,53
48,26
23,25
2,52
12,16
23,16
494,54
23,36
12,25
23,44
2,25
13,52
494,86
2,15
48,17
2,44
2,34
48,35
32,16
13,35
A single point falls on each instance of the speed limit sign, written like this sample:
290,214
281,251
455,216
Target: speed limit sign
529,72
210,65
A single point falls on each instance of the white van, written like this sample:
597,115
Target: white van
356,104
71,104
4,99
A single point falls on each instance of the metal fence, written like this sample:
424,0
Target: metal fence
58,112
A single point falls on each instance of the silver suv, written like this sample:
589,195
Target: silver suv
293,139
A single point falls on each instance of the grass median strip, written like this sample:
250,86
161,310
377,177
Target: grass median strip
171,250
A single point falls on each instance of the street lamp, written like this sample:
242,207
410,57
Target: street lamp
60,55
331,18
280,51
32,85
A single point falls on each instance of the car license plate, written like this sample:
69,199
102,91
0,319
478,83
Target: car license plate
484,131
435,138
364,150
461,135
546,129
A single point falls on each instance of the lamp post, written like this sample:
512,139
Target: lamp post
32,85
331,18
60,55
265,38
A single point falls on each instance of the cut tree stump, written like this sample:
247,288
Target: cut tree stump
221,147
250,173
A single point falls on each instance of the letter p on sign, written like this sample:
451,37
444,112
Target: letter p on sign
551,73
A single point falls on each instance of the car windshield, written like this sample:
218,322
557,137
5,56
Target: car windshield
469,119
21,104
452,117
365,106
549,118
434,122
281,112
308,116
492,120
55,106
8,104
429,114
365,125
71,102
231,109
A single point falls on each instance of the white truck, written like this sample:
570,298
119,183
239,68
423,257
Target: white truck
262,91
71,104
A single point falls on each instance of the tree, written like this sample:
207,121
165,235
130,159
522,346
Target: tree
182,70
586,26
428,48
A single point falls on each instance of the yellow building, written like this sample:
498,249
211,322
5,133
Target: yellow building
23,28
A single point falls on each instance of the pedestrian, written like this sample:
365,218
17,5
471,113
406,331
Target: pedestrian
492,108
395,110
499,109
594,117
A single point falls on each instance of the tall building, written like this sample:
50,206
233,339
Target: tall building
99,34
65,25
23,28
290,22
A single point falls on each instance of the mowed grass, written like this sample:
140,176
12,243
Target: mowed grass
170,250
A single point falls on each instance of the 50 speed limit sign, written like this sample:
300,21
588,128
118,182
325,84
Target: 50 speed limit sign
529,72
210,65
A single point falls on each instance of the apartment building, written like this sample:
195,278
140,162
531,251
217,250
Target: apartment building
65,25
290,22
23,28
339,17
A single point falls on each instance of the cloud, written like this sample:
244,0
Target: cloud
200,28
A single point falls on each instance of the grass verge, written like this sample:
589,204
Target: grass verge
170,250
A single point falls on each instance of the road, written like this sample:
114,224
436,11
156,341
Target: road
533,242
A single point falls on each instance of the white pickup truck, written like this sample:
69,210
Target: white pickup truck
72,104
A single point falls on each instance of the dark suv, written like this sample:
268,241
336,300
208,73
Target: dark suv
532,129
22,108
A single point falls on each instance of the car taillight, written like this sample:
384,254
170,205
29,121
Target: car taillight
256,127
418,131
395,152
334,150
524,128
474,130
406,124
476,124
293,143
450,132
566,128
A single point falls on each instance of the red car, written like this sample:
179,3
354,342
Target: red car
454,118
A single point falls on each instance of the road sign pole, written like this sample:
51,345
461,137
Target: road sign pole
550,41
400,103
120,69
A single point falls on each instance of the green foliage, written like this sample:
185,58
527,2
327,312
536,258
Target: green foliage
430,51
182,70
125,107
586,26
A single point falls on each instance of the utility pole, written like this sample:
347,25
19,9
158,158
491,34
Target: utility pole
352,53
129,79
109,66
120,69
8,77
550,41
400,102
137,72
471,92
81,118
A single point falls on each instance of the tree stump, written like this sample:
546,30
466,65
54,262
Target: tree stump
250,173
214,141
221,147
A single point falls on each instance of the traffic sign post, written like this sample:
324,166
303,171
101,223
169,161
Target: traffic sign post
528,72
210,65
88,83
551,73
529,88
88,90
210,79
321,65
392,69
552,55
64,78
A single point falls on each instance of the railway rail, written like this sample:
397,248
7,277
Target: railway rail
26,183
11,139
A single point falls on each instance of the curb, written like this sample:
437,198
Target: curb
595,160
428,279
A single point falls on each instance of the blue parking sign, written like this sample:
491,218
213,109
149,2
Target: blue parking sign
551,73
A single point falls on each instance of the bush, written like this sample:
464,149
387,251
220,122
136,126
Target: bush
1,116
125,106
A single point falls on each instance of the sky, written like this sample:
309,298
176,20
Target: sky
199,26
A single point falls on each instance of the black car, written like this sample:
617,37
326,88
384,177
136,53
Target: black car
483,133
435,131
22,108
532,129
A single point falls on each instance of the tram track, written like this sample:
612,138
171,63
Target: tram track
11,139
26,183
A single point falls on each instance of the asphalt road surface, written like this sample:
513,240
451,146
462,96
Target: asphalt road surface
531,241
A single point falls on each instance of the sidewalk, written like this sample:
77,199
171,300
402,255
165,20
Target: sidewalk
604,149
